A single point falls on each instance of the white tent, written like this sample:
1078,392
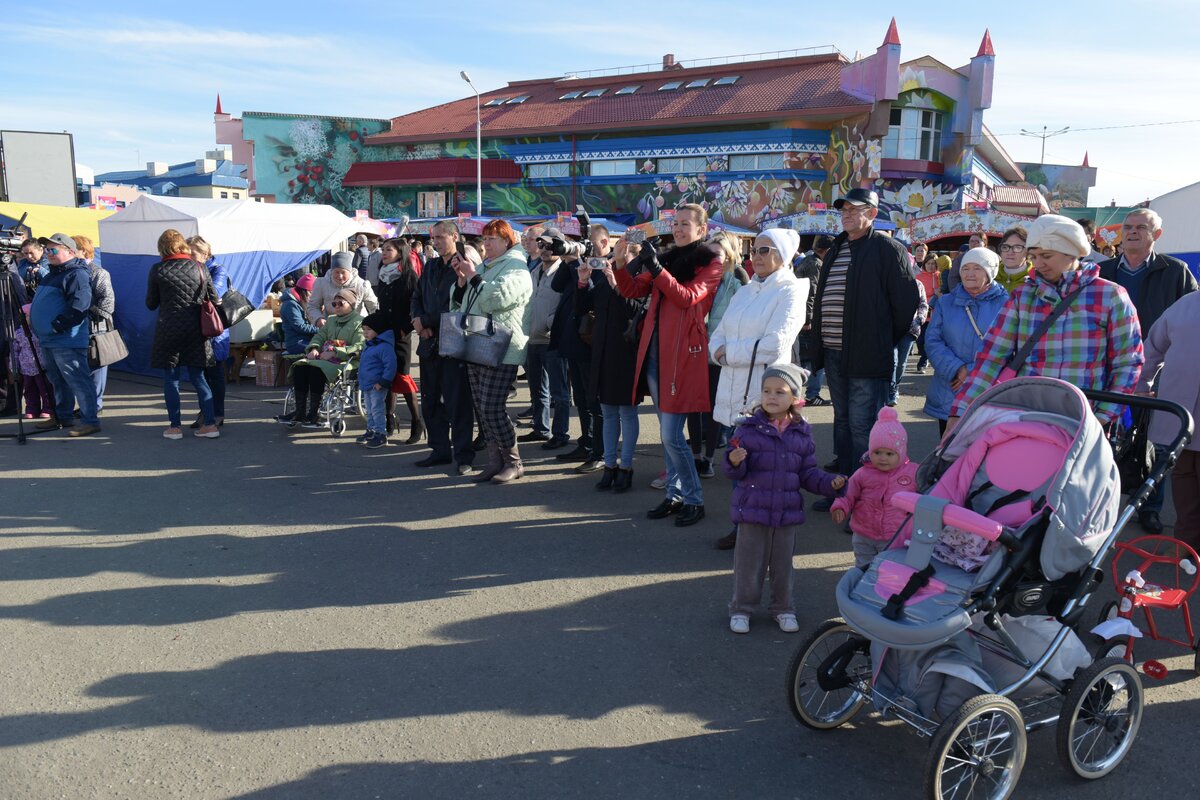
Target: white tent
1180,211
257,242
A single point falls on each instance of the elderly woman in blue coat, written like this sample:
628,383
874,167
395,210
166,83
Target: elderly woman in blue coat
960,323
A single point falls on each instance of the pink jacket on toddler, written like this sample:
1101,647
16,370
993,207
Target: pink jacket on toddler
868,499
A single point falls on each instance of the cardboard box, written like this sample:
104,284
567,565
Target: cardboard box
271,368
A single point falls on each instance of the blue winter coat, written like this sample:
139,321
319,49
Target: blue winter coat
220,279
59,315
297,330
777,465
377,364
951,341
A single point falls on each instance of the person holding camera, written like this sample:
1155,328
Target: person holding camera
501,287
672,360
546,368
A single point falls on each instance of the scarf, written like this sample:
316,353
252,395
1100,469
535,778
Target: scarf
389,272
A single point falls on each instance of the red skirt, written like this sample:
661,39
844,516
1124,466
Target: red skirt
404,384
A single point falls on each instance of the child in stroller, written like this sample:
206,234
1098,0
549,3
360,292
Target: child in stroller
974,610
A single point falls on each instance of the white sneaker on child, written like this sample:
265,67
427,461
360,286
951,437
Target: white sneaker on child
739,623
787,623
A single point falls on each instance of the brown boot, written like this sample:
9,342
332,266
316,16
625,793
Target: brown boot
513,468
494,465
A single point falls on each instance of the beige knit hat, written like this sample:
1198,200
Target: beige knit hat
1058,233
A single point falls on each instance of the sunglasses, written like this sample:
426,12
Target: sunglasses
52,251
763,251
336,303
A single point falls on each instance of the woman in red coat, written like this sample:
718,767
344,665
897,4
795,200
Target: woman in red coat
672,362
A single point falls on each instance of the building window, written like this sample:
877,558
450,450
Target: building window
594,92
628,89
518,100
676,166
728,80
237,195
570,95
224,195
756,161
914,134
431,204
555,170
621,167
670,87
495,101
699,83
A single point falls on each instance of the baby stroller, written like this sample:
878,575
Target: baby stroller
966,629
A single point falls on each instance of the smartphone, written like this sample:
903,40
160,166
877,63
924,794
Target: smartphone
597,263
634,236
461,247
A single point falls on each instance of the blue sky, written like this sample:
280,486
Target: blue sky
136,81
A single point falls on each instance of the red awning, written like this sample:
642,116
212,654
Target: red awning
430,171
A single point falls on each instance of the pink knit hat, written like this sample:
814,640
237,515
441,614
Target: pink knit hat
889,433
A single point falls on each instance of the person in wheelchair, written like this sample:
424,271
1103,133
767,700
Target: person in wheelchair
329,352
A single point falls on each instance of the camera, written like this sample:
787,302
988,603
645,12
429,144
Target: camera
577,251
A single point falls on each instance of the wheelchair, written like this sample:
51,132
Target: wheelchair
341,398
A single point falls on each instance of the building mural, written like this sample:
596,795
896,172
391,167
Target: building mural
903,201
1063,186
853,159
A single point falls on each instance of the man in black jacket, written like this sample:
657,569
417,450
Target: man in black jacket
445,393
865,303
810,268
1153,282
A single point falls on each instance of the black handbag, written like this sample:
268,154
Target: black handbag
234,307
1133,451
106,347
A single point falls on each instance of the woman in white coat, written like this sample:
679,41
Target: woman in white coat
760,325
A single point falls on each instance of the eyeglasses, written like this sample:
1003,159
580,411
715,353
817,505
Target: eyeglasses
52,251
762,251
1011,248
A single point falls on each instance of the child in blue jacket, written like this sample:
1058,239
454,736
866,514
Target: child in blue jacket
772,457
376,370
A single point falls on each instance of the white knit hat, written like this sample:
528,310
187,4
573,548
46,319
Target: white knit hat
1058,233
983,257
786,241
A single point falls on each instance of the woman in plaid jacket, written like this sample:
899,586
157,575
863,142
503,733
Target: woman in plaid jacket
1095,344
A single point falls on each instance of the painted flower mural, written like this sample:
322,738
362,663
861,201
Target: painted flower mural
905,201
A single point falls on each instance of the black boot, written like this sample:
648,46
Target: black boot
607,479
623,482
418,424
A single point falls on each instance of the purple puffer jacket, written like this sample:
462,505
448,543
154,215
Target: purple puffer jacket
777,465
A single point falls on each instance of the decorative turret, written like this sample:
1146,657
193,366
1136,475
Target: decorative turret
887,73
219,115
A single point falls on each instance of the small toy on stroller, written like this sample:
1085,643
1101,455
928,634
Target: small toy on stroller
966,629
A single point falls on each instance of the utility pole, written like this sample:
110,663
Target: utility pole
1044,135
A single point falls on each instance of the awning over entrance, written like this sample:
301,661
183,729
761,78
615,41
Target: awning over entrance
430,172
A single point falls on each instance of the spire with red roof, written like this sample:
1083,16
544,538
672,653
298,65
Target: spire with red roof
892,36
219,111
985,47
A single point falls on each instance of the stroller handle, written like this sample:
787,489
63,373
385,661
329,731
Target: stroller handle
962,518
1152,404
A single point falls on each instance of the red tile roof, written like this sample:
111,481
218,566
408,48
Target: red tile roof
806,86
1025,197
430,170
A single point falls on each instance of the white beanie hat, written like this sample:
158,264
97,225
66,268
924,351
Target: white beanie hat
786,241
983,257
1058,233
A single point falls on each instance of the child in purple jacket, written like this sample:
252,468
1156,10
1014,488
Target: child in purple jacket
772,457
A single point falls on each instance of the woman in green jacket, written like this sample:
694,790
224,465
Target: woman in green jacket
500,287
336,343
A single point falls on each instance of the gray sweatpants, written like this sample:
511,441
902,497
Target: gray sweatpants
865,549
763,551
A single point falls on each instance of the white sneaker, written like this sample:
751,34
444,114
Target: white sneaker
660,482
787,623
740,623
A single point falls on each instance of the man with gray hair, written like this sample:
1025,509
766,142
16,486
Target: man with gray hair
1153,282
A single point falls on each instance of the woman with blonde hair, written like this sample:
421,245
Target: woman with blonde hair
104,303
176,288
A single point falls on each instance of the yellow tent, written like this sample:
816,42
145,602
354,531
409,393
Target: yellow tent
48,220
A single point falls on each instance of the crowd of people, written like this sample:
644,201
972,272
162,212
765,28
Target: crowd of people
728,348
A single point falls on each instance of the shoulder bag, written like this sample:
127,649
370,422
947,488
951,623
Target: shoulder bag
211,323
474,338
234,307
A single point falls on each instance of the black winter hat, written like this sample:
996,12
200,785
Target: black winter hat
378,322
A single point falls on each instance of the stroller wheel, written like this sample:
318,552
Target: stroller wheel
978,751
819,678
1108,611
1113,647
1100,718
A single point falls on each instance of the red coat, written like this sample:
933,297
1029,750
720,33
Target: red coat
680,310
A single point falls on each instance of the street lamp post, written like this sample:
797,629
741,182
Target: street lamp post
1044,135
478,148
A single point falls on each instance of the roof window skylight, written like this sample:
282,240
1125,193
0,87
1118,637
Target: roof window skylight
518,100
700,83
594,92
495,101
728,80
570,95
628,89
667,87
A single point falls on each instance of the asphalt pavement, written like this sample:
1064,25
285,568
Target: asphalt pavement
287,615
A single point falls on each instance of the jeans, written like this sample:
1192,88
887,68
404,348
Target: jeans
1155,501
69,374
856,404
903,348
620,426
812,388
683,482
171,394
374,403
591,417
99,381
548,384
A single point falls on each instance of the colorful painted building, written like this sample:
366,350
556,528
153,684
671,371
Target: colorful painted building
753,139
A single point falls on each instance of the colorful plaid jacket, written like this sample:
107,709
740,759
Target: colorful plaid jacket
1097,344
